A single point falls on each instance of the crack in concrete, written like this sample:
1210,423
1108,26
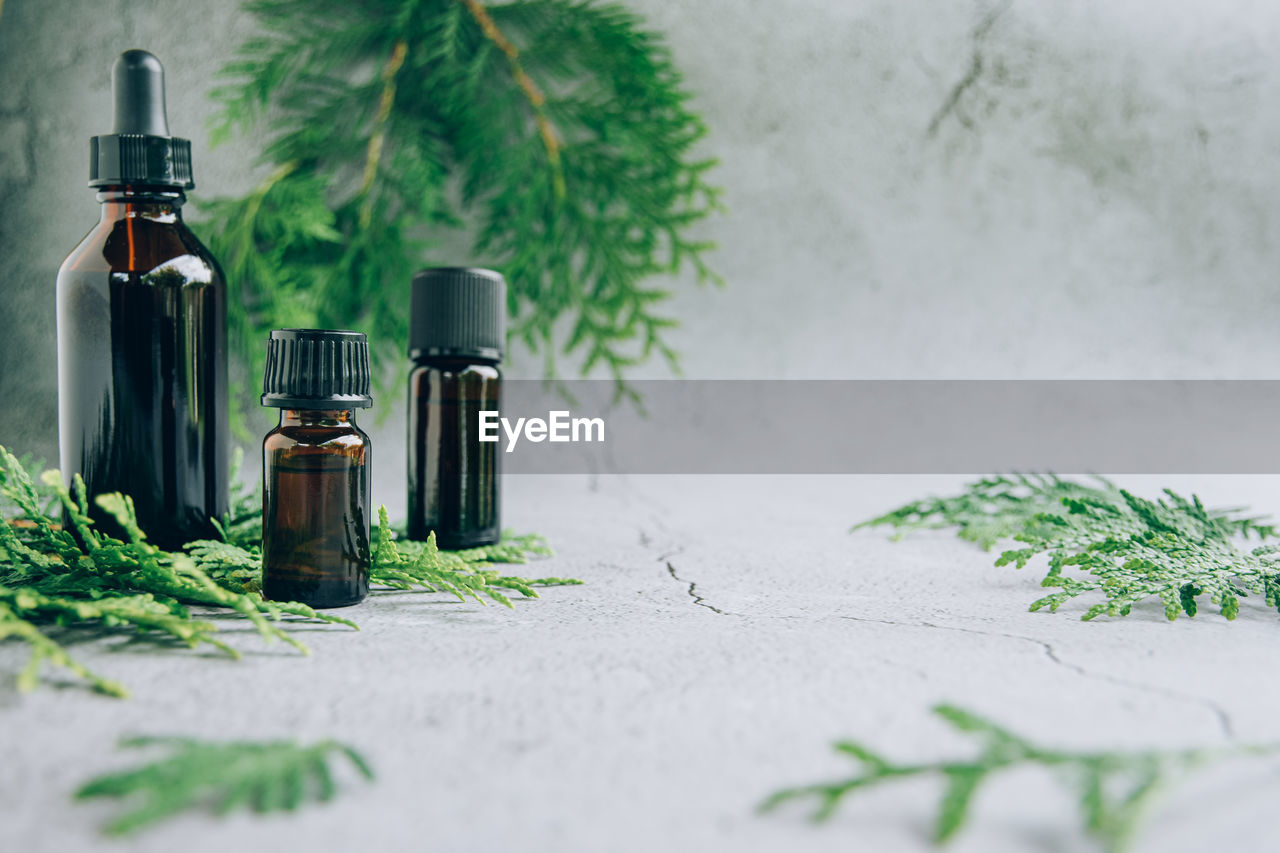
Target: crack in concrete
952,104
647,542
1225,724
665,556
693,593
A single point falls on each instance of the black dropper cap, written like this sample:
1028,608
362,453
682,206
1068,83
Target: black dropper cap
139,150
457,311
317,369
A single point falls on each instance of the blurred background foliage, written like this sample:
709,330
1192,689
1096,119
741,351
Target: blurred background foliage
556,135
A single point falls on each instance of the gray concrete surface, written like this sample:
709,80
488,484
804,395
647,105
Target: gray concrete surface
730,629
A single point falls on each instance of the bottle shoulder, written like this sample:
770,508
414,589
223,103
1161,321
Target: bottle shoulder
159,252
452,368
302,436
87,254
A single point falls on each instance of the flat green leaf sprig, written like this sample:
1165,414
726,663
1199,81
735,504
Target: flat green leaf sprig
463,574
1102,540
51,576
399,563
1114,789
242,522
989,509
48,575
263,776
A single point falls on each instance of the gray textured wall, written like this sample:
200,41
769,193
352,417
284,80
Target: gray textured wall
914,190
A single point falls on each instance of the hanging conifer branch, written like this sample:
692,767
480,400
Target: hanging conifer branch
537,100
376,140
557,132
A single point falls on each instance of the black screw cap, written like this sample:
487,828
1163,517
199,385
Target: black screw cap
458,311
317,369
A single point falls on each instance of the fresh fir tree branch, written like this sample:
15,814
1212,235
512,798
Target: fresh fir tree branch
1115,789
559,130
1100,539
224,776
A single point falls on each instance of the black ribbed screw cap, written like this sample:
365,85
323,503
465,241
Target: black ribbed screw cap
458,311
317,369
139,149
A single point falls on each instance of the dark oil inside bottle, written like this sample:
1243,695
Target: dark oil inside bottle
316,523
142,368
453,476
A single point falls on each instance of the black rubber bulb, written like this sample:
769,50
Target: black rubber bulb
137,82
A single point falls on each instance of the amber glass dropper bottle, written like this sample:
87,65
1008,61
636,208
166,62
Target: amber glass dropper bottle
142,354
315,469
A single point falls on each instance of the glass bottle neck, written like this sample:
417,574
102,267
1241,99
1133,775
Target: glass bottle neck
161,204
316,417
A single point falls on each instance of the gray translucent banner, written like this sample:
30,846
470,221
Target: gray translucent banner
893,426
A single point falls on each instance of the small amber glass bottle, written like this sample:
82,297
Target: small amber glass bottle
456,340
315,469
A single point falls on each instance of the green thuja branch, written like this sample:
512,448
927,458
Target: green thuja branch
262,776
242,523
78,577
14,623
1114,789
398,564
463,574
558,133
989,509
1102,540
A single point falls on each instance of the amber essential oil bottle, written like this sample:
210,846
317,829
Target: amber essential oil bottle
456,338
315,469
142,341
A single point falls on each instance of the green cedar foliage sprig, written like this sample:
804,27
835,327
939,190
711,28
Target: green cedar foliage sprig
559,131
262,776
1102,539
989,509
463,574
1114,789
50,576
398,562
242,522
